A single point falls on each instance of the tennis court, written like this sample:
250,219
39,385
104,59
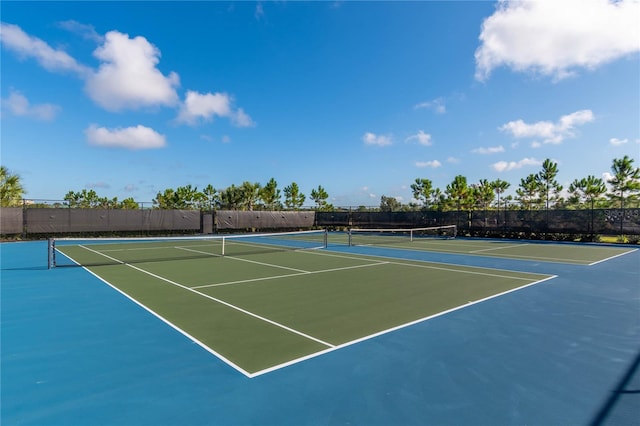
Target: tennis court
526,250
273,300
262,302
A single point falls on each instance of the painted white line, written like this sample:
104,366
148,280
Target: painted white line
322,271
499,248
246,260
390,330
222,302
612,257
166,321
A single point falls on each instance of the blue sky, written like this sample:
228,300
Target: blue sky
362,98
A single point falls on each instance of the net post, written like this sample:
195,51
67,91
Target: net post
350,240
326,238
411,235
224,239
51,253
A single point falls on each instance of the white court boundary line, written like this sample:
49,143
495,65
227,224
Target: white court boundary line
612,257
330,347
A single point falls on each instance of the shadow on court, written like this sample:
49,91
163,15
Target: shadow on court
623,404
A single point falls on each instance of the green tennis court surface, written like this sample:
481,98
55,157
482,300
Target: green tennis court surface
545,252
266,309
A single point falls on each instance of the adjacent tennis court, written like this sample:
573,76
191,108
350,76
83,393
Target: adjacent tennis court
260,302
441,239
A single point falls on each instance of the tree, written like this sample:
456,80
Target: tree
210,198
293,197
182,198
484,193
11,189
459,195
128,203
87,200
499,187
319,196
250,194
389,204
231,198
625,180
270,195
548,186
527,191
422,191
458,191
589,189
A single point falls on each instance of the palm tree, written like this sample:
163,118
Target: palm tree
11,189
500,186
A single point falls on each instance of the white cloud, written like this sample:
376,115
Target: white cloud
421,138
489,150
379,140
437,105
433,164
453,160
85,31
206,106
554,38
26,46
606,176
618,142
138,137
505,166
19,105
548,131
128,77
242,119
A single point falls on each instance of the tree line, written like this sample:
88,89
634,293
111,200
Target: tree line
536,191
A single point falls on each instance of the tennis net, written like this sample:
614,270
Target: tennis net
383,236
113,251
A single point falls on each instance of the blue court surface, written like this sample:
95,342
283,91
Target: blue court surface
563,351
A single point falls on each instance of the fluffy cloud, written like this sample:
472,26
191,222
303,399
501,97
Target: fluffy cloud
421,138
26,46
138,137
19,105
128,77
433,164
505,166
548,131
489,150
554,38
199,106
379,140
618,142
